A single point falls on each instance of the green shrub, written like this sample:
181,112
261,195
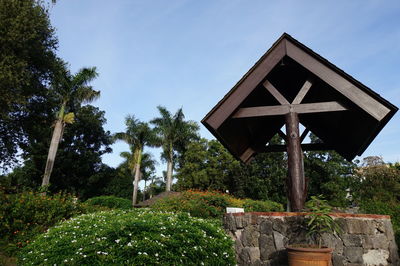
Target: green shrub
134,237
24,215
110,202
261,206
211,204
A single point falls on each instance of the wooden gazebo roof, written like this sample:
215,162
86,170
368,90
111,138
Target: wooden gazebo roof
345,114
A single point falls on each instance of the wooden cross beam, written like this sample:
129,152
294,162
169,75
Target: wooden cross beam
296,180
304,108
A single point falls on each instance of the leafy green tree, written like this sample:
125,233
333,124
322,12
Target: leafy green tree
79,168
173,135
147,167
207,165
71,92
138,135
28,62
329,174
377,183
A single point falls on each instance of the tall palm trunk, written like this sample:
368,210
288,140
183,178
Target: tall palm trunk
55,140
169,170
144,190
137,175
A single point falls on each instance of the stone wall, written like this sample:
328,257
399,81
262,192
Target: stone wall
261,238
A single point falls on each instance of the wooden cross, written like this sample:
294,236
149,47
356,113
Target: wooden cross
296,180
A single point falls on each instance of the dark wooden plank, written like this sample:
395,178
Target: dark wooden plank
262,111
303,91
296,180
277,95
304,108
245,86
246,155
321,107
304,134
345,87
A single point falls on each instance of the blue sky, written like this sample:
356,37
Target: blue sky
190,53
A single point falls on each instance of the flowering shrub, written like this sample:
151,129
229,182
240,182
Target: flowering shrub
110,202
26,214
134,237
212,204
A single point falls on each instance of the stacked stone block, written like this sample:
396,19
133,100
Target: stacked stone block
261,238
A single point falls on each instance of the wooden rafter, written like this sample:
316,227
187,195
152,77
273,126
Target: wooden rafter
304,134
303,91
282,134
277,95
304,108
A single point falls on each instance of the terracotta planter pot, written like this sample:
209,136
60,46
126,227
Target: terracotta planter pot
308,256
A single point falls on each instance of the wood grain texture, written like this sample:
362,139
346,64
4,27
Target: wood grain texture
237,95
303,91
275,110
274,92
345,87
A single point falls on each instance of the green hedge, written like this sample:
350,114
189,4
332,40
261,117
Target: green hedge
110,202
211,204
135,237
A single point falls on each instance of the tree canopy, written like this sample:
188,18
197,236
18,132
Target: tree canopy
28,62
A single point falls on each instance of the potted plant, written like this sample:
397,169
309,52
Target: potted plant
318,222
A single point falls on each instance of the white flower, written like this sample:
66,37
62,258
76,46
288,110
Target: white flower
156,254
73,241
129,244
117,240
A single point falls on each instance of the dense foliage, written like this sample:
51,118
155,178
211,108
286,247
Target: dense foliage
377,190
211,204
78,168
110,202
136,237
207,165
28,62
24,215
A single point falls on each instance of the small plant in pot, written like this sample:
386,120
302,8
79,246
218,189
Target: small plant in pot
318,222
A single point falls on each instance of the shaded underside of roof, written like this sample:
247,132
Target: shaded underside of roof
287,66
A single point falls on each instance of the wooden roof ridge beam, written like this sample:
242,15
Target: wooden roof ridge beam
303,91
304,108
277,95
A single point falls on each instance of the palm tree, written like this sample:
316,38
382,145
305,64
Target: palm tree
173,134
137,136
71,91
147,166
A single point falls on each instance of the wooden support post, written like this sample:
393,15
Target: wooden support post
296,180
